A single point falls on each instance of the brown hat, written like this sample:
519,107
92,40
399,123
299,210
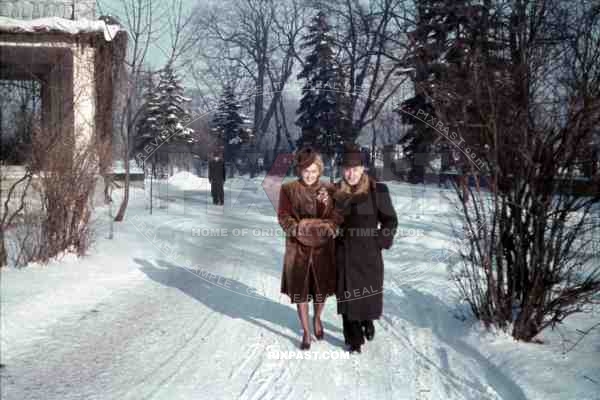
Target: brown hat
304,158
352,156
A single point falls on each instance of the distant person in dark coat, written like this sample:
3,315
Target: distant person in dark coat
216,177
369,225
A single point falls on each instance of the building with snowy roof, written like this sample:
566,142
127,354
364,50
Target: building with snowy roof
74,58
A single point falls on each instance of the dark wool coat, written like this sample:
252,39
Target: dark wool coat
369,226
216,171
298,201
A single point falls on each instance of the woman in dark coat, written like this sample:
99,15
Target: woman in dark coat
369,225
307,215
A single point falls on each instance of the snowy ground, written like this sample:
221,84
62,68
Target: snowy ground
185,304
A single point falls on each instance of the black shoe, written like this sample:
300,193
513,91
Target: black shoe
369,330
355,348
305,345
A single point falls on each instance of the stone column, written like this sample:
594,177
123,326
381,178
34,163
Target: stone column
84,95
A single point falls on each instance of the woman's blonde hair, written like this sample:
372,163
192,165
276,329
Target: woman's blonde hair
319,162
306,158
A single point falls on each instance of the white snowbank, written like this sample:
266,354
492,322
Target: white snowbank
55,24
187,181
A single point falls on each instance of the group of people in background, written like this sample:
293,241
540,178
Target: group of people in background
335,234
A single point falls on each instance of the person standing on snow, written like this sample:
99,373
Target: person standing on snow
216,177
369,225
306,214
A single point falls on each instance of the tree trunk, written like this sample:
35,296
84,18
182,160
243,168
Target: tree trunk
3,255
121,214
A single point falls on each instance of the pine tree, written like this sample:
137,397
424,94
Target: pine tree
148,125
318,115
172,101
446,30
163,114
229,131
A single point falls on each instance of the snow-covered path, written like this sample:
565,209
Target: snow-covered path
132,322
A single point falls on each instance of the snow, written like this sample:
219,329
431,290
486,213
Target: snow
55,24
119,167
235,140
184,180
182,304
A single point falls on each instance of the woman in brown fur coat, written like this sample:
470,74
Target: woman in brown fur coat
307,215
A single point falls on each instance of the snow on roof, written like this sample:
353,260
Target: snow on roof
55,24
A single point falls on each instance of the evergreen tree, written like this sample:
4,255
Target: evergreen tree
163,114
148,125
172,104
319,114
228,126
446,31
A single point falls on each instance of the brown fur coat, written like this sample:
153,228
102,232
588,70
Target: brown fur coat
308,272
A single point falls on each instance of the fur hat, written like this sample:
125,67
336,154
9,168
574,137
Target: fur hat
352,156
313,232
304,158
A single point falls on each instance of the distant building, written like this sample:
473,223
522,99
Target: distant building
33,9
176,157
78,62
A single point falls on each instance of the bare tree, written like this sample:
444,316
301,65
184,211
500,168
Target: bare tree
372,45
140,21
19,111
254,43
526,107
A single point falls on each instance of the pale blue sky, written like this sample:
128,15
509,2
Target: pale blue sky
156,52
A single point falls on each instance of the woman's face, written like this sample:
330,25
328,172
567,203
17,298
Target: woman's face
310,174
352,175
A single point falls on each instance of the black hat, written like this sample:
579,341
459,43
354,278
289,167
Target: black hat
352,156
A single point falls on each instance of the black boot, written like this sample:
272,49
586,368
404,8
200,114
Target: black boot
355,348
353,334
369,329
346,329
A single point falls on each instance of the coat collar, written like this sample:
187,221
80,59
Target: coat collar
364,184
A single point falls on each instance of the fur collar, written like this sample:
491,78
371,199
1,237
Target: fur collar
362,187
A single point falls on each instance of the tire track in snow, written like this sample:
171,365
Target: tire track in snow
423,379
428,374
269,378
262,381
419,341
392,362
166,370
